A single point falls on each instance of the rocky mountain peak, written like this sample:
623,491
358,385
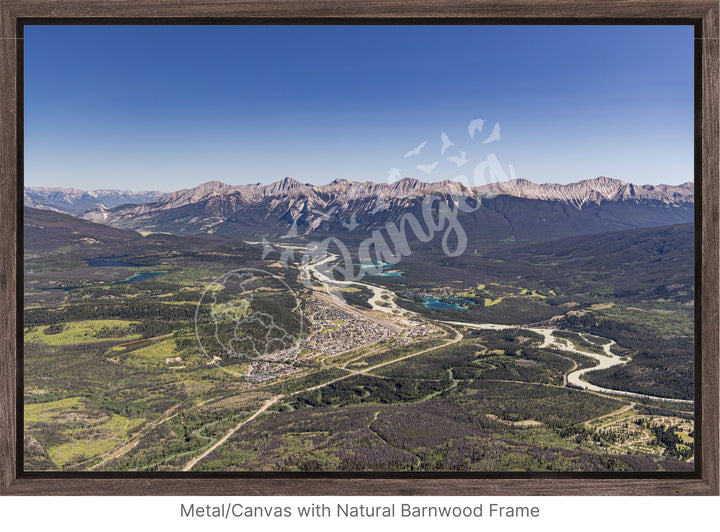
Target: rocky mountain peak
74,201
284,185
589,191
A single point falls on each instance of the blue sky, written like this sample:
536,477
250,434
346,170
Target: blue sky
169,107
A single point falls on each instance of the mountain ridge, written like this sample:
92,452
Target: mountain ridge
577,193
516,209
591,191
75,201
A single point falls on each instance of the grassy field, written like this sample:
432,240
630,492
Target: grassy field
80,429
81,332
105,363
159,353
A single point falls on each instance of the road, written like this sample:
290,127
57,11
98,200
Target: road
606,360
276,398
135,439
232,431
611,414
380,295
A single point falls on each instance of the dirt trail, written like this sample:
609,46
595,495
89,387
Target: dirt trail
135,439
276,398
232,431
614,413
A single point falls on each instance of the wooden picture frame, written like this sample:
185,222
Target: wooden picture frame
702,14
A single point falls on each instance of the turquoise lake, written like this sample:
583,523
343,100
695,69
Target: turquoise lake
434,302
384,266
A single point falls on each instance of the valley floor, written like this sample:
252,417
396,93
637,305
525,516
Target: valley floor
372,385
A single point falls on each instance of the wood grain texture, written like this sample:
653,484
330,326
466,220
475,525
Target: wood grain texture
358,486
704,13
401,9
8,247
707,370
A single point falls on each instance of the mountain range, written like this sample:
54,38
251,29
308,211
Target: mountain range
73,201
516,210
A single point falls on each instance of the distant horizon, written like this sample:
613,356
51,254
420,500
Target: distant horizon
166,104
120,189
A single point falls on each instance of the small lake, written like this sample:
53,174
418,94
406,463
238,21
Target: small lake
434,302
139,277
384,266
136,278
366,266
63,288
99,262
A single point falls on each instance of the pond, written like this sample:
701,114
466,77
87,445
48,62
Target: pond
384,265
366,266
139,277
434,302
110,261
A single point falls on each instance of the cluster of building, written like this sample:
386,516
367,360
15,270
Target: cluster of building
334,330
260,371
420,328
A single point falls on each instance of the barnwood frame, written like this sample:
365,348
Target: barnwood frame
702,14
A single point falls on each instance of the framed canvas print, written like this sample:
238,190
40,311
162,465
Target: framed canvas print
311,248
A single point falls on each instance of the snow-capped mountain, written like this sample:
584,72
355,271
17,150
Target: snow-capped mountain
73,201
518,208
591,191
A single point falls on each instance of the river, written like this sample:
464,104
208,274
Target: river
383,300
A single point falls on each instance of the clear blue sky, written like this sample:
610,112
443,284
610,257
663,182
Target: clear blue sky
169,107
